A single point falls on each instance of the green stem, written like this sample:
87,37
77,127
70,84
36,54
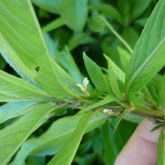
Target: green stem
110,27
161,149
149,113
53,25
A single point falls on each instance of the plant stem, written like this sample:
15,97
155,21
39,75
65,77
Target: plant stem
53,25
110,27
62,105
154,114
149,113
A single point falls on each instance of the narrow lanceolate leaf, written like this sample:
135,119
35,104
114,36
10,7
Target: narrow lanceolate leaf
148,57
113,80
56,136
161,149
14,61
116,69
25,40
15,109
13,136
67,153
109,140
16,89
95,73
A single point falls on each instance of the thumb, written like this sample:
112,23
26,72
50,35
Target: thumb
141,149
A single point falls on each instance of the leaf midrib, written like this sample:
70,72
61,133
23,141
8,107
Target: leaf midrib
29,88
133,77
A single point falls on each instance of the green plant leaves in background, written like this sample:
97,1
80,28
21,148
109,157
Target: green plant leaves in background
107,10
49,5
66,154
72,12
50,74
56,136
124,58
148,57
109,141
15,134
63,58
138,7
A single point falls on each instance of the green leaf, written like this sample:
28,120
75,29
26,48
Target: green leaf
156,88
124,57
130,35
66,154
107,10
48,5
30,49
95,74
68,84
73,12
50,142
63,58
14,61
116,69
148,57
15,109
141,21
13,136
161,89
124,8
53,25
94,23
138,7
112,29
161,149
77,39
110,145
16,89
113,79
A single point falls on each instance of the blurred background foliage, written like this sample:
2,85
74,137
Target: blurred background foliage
71,27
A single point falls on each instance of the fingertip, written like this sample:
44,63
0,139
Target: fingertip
141,148
144,131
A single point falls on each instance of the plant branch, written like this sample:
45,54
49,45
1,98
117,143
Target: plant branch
110,27
53,25
154,114
149,113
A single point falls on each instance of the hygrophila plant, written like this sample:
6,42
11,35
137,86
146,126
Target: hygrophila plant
46,87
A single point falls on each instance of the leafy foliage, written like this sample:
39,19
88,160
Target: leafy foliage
148,54
75,77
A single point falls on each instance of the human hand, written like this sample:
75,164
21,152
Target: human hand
141,149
